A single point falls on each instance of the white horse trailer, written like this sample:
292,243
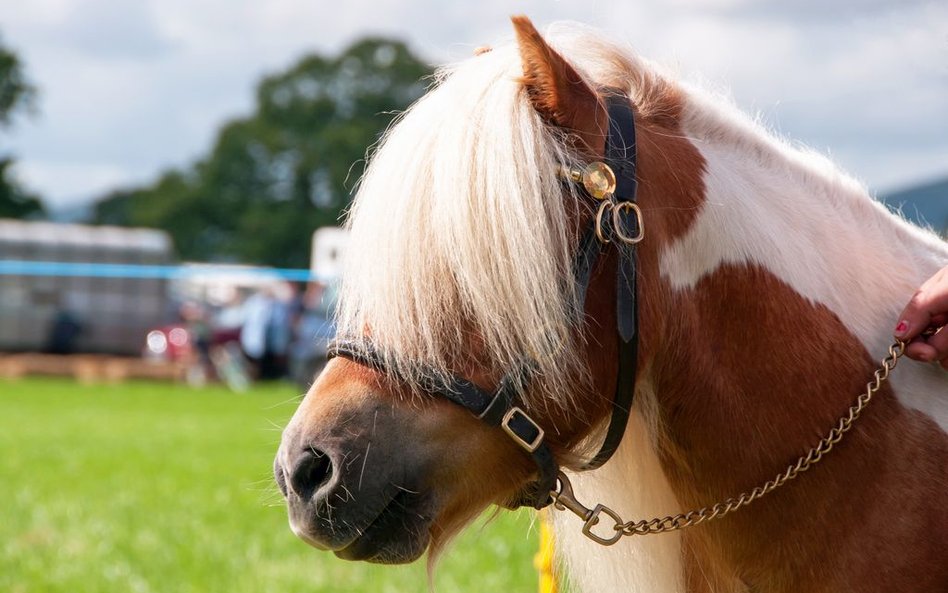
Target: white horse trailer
328,251
111,312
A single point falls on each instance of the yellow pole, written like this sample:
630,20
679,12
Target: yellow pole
543,561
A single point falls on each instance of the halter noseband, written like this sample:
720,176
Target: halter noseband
618,221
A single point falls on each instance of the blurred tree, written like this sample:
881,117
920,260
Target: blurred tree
15,202
16,96
272,178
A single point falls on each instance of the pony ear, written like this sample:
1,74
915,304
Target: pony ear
556,89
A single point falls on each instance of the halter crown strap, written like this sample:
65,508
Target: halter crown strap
620,155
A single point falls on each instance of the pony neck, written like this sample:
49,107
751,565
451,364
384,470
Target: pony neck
781,294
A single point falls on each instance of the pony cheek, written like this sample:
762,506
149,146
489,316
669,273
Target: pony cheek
471,474
468,463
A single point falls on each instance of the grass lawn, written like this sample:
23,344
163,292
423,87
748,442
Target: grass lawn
153,487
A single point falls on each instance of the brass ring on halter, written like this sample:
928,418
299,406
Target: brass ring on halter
619,229
600,234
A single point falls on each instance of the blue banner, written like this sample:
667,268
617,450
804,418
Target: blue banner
96,270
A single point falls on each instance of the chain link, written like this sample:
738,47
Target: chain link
726,507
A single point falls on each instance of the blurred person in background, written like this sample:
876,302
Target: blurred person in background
64,330
229,319
267,330
279,332
253,334
195,319
314,330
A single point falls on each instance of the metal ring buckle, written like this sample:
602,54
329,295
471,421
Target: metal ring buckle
593,520
606,205
564,500
530,446
617,227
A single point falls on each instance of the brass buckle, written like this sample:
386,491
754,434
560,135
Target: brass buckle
530,446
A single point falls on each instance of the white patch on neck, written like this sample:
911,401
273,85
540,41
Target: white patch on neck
816,230
632,484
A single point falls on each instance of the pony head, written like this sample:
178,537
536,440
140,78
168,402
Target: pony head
463,237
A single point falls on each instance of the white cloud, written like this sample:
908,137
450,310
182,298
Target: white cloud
131,87
113,29
80,178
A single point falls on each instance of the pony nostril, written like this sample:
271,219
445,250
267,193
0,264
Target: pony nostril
312,470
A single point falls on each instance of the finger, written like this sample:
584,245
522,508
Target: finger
931,349
914,317
920,350
940,344
929,304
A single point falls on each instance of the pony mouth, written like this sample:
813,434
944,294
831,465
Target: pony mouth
398,535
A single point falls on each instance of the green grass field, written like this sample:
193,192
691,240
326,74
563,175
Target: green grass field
150,487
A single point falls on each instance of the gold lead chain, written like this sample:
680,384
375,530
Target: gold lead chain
563,496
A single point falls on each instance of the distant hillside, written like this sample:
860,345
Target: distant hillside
925,204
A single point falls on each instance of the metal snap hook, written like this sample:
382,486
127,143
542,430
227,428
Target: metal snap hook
564,500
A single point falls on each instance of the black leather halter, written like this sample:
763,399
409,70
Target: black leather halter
502,407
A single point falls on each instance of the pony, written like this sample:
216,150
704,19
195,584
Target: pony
768,282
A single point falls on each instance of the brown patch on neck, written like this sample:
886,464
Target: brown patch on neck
753,375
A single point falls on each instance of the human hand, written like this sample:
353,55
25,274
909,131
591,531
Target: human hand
922,323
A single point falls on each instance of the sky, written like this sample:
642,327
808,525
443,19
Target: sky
130,88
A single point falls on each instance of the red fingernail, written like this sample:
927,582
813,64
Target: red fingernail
901,327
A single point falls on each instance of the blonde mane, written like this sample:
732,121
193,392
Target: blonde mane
461,239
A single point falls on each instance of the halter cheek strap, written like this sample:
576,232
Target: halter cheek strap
502,408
